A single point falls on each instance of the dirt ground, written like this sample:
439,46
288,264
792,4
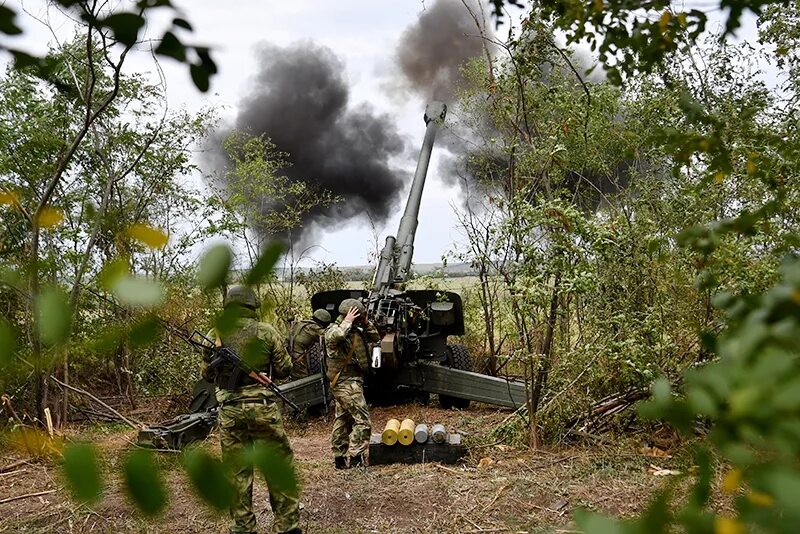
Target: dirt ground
497,488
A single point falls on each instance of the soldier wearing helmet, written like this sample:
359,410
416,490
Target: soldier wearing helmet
249,412
302,336
347,343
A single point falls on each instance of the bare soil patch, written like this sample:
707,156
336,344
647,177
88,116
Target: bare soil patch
515,490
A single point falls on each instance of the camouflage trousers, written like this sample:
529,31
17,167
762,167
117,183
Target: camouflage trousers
352,426
242,425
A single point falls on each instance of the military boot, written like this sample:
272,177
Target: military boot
358,461
340,462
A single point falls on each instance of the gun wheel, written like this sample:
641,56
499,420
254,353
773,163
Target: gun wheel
457,358
315,357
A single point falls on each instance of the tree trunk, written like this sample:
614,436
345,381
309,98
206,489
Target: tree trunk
545,359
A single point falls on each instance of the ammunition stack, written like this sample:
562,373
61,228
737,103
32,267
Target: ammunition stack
407,442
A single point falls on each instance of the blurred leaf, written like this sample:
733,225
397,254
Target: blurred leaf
151,237
200,76
225,321
35,443
113,271
277,467
49,217
701,492
593,523
8,344
182,23
83,472
266,262
54,318
656,517
125,26
144,332
170,46
214,266
7,24
137,291
210,478
143,482
9,198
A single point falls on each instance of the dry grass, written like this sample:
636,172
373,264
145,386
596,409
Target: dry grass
519,491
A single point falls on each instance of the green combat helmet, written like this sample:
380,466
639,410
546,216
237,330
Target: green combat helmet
242,296
346,304
322,317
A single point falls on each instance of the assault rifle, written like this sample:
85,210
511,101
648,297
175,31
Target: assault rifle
228,355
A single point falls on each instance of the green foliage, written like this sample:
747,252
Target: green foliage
211,479
82,472
144,483
126,28
54,316
265,264
214,266
278,470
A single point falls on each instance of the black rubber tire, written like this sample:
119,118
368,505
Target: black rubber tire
315,357
457,358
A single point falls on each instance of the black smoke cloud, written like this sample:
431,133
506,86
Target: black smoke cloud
433,50
300,99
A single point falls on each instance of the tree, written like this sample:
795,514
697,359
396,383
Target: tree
261,204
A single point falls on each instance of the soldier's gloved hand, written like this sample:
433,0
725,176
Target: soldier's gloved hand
351,317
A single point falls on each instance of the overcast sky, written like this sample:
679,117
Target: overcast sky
364,34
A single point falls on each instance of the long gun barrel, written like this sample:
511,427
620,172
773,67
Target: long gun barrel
397,253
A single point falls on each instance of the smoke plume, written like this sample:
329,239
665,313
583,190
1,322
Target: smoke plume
433,50
300,99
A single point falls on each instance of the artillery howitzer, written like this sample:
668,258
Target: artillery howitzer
415,356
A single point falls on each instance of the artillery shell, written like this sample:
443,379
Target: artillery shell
439,433
421,433
406,434
390,432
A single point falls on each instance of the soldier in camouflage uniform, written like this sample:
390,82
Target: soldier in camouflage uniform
249,412
302,336
346,342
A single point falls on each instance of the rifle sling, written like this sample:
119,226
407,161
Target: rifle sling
348,360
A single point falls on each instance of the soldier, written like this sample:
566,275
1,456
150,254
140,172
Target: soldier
302,336
249,413
348,361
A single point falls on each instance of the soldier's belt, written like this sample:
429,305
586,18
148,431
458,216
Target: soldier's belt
264,402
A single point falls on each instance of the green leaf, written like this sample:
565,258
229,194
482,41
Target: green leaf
54,318
8,344
200,77
266,262
137,291
214,266
7,25
82,472
277,467
211,479
182,23
593,523
170,46
145,332
125,26
143,483
225,321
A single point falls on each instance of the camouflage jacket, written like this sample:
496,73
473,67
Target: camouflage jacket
302,335
259,344
342,339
